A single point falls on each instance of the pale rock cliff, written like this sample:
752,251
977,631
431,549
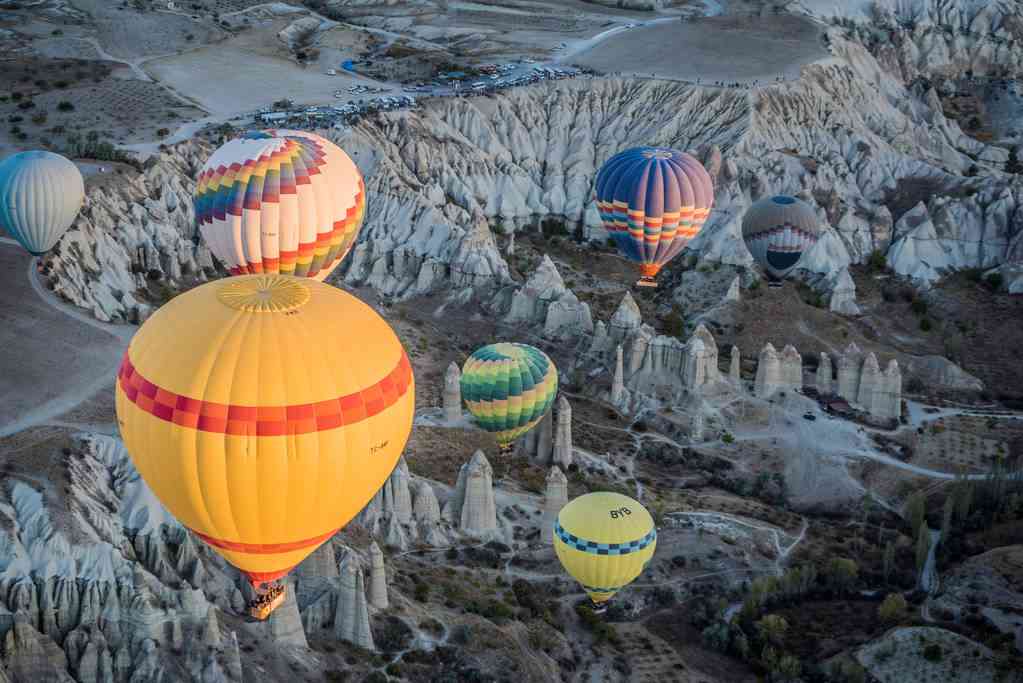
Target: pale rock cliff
555,498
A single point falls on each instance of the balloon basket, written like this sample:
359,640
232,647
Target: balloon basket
598,607
506,450
264,605
774,284
646,282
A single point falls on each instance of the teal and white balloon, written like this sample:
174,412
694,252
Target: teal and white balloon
40,195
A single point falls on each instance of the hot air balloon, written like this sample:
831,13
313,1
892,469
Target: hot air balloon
40,195
280,201
778,230
653,201
604,540
265,411
508,388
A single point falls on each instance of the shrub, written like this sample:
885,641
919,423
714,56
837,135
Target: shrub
925,324
893,607
162,132
877,260
973,274
56,32
39,118
64,105
16,96
919,306
14,118
994,281
932,652
26,104
422,592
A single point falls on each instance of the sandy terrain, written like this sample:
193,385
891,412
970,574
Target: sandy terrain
59,360
250,71
711,48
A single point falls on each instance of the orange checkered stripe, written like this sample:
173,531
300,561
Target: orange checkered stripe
303,418
333,245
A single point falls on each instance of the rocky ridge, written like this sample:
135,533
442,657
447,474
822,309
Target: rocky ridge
851,136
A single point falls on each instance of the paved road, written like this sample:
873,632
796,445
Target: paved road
54,356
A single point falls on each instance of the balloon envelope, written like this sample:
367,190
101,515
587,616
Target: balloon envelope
265,411
778,230
40,195
653,201
280,201
508,388
604,540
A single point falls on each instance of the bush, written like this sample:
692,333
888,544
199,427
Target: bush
973,274
162,132
877,260
893,607
422,592
16,96
56,32
932,652
994,281
593,623
64,105
919,306
925,324
39,118
26,104
15,118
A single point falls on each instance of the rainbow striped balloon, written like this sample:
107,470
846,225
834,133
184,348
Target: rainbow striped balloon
508,388
280,201
653,201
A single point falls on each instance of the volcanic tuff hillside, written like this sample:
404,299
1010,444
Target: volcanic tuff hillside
886,169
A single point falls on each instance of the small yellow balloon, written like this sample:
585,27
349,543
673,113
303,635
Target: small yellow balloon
604,540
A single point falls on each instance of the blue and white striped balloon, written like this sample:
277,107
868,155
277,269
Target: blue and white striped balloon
40,196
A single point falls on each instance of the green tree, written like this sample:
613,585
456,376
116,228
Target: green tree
888,561
946,518
893,607
1013,165
916,510
772,629
964,500
789,668
923,547
740,643
769,658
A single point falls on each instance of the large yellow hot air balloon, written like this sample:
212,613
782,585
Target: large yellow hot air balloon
265,411
280,201
604,540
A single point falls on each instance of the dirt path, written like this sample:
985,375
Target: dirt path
56,356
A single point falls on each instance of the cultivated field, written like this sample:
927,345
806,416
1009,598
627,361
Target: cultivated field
711,48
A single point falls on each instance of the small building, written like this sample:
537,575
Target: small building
452,76
838,406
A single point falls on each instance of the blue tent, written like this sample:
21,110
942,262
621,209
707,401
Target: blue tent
347,65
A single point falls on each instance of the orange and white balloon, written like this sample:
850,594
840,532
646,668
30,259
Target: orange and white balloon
280,201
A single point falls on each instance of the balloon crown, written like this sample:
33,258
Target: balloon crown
658,153
783,199
264,293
